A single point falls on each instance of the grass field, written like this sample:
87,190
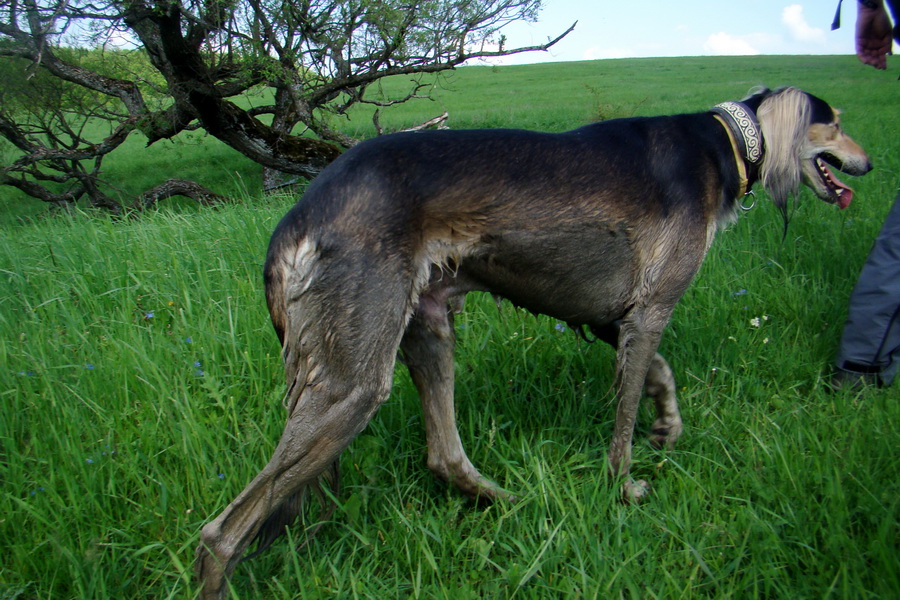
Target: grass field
140,386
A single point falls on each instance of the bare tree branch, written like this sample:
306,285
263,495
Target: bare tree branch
194,63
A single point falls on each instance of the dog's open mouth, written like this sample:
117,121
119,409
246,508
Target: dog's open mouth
838,192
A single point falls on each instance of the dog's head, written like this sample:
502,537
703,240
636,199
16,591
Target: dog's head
803,136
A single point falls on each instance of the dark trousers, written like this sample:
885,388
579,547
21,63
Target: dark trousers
871,339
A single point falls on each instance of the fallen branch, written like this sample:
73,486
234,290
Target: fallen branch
438,122
179,187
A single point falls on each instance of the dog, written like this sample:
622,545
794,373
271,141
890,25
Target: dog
603,227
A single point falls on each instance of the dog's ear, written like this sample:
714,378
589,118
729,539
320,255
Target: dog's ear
784,119
755,97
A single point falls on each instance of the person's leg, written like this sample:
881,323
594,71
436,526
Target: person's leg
870,344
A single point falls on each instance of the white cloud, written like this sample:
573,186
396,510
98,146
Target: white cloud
726,44
792,16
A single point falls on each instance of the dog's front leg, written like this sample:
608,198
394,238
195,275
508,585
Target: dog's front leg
660,386
636,349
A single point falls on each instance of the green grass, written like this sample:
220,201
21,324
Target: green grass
140,386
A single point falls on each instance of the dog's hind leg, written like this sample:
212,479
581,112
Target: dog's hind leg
326,418
340,352
660,386
427,348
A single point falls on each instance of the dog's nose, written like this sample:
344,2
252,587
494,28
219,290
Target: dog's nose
857,167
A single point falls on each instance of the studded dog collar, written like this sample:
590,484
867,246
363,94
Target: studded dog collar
743,130
745,127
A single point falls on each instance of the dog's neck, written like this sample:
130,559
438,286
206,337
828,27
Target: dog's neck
743,130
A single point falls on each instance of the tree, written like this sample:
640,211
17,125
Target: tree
192,62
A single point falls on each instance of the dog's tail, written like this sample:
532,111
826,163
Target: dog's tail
289,273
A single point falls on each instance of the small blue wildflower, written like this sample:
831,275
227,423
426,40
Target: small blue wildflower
221,476
150,315
197,364
25,373
188,340
89,367
89,461
559,327
740,292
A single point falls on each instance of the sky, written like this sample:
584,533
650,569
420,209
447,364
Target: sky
654,28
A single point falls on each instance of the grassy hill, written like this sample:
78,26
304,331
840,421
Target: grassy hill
141,390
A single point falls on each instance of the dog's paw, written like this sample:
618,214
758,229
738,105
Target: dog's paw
665,433
493,493
634,491
477,487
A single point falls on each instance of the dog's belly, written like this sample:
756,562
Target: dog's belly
578,275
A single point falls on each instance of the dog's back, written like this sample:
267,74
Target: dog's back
588,171
482,201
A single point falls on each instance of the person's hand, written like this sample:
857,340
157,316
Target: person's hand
873,36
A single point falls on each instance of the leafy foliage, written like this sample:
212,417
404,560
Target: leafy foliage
195,65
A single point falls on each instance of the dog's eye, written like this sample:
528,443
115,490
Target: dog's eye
821,132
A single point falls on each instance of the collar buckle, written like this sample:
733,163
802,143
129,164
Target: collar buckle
745,206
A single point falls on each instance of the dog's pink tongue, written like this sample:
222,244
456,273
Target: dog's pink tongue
845,198
844,193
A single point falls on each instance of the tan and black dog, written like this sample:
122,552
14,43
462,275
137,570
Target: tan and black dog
603,227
